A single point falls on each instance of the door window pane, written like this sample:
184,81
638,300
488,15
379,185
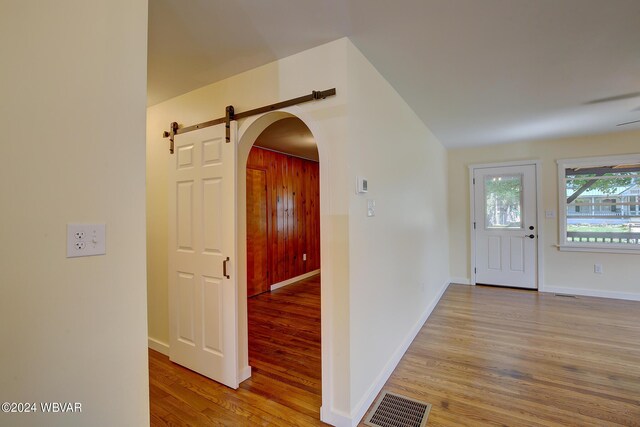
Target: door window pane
503,201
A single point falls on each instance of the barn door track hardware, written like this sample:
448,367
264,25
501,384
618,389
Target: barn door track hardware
230,114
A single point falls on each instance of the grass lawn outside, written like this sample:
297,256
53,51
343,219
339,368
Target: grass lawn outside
618,228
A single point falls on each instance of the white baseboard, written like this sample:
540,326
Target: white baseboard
335,418
361,408
244,374
294,279
460,280
159,346
593,293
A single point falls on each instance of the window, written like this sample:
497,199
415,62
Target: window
503,195
613,205
599,203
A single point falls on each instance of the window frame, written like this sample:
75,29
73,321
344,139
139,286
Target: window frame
563,164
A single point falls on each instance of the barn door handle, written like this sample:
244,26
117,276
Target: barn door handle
224,268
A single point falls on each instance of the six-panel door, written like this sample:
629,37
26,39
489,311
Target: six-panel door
202,215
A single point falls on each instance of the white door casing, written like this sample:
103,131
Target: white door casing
505,225
202,235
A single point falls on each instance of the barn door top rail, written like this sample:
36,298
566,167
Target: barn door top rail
230,114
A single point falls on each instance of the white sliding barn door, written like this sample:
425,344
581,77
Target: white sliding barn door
202,233
506,226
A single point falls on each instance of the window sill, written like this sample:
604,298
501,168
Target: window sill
599,248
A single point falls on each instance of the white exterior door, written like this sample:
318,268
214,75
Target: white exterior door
506,226
202,248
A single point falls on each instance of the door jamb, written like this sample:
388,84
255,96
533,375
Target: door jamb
539,214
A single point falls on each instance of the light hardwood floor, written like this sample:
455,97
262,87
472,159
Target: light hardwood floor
486,357
491,356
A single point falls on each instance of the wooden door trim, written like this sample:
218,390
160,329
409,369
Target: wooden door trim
539,212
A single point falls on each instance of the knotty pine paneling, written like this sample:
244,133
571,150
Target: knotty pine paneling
293,214
257,256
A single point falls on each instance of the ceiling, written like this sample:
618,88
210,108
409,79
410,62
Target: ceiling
290,136
475,71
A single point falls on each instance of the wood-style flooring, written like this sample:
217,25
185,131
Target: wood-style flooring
487,356
284,346
491,356
284,353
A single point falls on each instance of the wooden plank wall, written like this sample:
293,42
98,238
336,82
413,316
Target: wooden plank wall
257,248
293,212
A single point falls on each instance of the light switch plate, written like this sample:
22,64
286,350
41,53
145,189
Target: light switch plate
86,240
371,207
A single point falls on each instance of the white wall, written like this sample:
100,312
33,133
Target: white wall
572,271
398,259
72,113
379,274
318,69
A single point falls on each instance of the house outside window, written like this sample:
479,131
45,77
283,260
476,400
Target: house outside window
599,204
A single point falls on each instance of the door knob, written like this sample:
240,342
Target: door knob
531,236
531,227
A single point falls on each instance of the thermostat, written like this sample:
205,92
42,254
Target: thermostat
361,185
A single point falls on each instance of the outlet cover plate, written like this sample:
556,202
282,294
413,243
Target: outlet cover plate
86,240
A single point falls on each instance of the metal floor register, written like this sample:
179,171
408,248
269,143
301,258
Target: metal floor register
394,410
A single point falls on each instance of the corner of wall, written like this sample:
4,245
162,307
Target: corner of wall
399,258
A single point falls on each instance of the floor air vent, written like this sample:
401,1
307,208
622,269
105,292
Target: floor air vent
393,410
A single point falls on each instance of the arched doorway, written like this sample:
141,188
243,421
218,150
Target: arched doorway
283,208
248,133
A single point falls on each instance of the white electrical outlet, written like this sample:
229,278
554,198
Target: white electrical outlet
597,268
85,240
304,257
